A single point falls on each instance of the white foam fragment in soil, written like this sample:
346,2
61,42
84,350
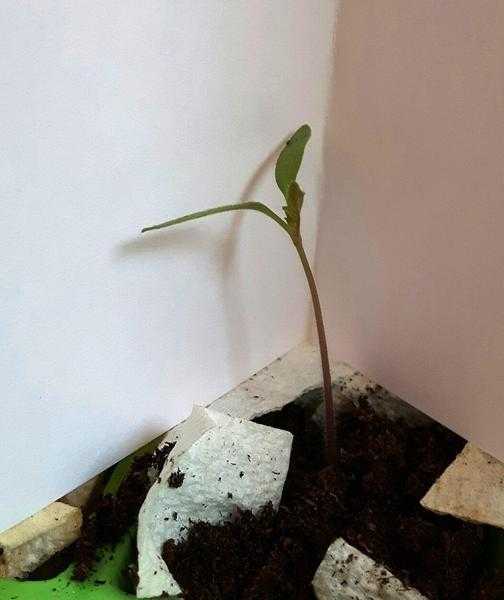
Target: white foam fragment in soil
294,374
471,489
224,463
30,543
348,574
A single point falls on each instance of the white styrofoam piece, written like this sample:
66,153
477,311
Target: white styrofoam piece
471,488
279,383
226,462
345,573
299,372
31,542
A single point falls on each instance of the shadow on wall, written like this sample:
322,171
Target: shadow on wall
197,236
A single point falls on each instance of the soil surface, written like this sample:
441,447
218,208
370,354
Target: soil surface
370,496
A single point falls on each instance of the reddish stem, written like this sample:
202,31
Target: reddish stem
324,356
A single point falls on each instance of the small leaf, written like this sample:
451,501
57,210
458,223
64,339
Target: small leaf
292,211
290,158
123,467
258,206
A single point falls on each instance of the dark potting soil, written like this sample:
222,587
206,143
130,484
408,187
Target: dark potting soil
370,496
109,517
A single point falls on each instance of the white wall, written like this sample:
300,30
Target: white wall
113,116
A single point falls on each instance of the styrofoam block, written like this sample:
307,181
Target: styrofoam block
282,381
346,573
298,373
224,462
30,543
471,488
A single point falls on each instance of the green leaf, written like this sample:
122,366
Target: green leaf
123,467
289,161
258,206
292,211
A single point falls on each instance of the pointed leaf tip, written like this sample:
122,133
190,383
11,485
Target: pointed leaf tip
289,161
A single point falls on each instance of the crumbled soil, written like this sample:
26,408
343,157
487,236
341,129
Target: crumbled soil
176,479
370,496
109,517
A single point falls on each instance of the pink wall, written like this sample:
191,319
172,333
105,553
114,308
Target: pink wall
411,248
